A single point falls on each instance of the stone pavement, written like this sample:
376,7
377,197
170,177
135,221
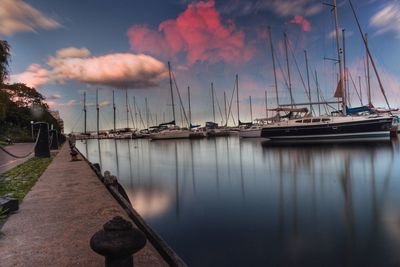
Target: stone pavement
7,162
58,217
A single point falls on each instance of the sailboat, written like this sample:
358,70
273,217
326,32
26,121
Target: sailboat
251,129
338,128
170,130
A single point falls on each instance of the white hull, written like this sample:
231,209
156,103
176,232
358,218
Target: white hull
170,134
250,133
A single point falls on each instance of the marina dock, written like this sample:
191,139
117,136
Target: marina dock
58,217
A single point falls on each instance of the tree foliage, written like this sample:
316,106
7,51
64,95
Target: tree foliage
4,60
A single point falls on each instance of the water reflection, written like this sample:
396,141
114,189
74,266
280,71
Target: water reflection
242,202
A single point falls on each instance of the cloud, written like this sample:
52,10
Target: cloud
53,104
283,8
116,70
34,76
332,34
304,23
105,103
73,52
198,33
18,16
387,19
53,97
123,70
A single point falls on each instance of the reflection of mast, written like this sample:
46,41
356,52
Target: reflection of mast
216,165
345,181
192,160
116,156
241,170
98,147
176,182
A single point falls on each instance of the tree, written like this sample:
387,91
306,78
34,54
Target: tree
4,60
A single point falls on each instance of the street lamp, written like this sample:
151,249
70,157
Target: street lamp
32,130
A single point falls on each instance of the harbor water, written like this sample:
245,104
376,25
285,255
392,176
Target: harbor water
236,202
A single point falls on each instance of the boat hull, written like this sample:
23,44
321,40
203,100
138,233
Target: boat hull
170,135
353,131
250,133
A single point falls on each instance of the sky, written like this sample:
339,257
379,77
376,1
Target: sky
64,48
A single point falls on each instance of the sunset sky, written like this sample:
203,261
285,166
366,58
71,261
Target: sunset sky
63,48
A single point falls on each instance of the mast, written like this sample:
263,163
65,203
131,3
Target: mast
308,79
345,74
97,109
273,64
237,97
318,97
339,58
251,110
135,110
114,111
190,109
266,104
85,112
359,86
127,109
212,96
226,116
288,68
172,91
147,112
368,75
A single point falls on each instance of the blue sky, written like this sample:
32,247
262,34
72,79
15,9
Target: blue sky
63,48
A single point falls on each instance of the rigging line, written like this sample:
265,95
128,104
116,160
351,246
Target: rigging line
230,105
180,99
319,92
219,108
76,122
140,117
26,155
355,87
284,76
301,76
130,108
370,56
104,119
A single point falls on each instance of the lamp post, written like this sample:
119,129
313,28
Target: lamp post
32,130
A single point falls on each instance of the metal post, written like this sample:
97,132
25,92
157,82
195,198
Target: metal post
42,148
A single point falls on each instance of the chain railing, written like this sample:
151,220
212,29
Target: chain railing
24,156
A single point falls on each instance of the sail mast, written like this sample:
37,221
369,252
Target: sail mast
341,78
85,112
237,97
251,110
273,64
135,110
212,96
114,111
368,75
97,109
190,109
172,91
266,104
226,116
288,69
147,112
345,71
127,109
308,79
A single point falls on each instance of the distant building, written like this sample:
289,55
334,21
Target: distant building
56,115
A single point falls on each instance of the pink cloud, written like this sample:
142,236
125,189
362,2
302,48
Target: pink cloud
34,76
198,33
304,23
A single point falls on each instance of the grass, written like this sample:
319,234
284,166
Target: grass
19,180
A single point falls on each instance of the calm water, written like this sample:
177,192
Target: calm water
231,202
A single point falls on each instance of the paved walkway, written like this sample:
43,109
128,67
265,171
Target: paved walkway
7,162
59,216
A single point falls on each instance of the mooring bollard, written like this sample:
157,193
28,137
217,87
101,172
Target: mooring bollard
42,149
117,242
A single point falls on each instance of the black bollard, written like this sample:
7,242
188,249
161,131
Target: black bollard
117,242
54,139
42,149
